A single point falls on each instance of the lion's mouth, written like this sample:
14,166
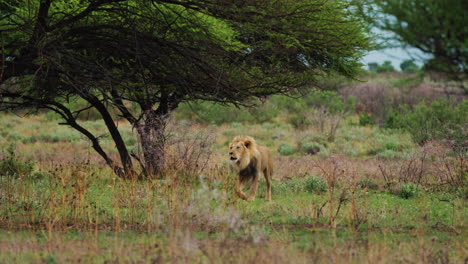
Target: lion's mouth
233,158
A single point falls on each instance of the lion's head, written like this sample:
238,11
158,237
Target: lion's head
241,150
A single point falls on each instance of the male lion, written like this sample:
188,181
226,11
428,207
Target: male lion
249,161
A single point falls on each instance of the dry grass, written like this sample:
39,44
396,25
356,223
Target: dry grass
76,210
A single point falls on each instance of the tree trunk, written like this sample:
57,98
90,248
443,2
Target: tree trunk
151,133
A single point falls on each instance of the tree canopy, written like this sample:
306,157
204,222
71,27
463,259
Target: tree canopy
437,28
154,55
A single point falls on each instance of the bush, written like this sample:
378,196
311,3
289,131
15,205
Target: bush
316,185
385,67
439,120
11,166
409,190
288,103
366,119
312,148
368,183
293,186
299,121
298,185
215,113
285,149
372,66
330,101
264,113
409,66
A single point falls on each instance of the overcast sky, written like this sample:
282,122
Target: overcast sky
395,55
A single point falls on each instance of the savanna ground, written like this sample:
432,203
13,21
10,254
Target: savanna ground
345,190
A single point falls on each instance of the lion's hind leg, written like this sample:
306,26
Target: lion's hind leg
267,173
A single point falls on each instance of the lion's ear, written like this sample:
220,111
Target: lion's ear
248,143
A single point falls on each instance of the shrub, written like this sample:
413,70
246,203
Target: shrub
368,183
385,67
264,113
315,184
129,140
285,149
215,113
299,121
366,119
329,101
408,83
409,190
16,137
372,66
439,120
292,185
312,148
47,137
11,166
288,103
297,185
409,66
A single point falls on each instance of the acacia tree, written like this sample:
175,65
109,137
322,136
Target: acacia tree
437,28
158,54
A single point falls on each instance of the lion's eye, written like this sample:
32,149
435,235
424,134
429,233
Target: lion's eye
238,147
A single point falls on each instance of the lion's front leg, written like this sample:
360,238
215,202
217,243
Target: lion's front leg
239,187
253,188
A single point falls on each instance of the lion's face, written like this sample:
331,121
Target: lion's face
237,151
241,150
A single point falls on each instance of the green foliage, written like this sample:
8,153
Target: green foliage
330,101
264,113
373,66
143,59
386,145
299,121
438,120
366,119
286,149
11,166
385,67
312,148
409,66
406,83
434,27
368,183
312,184
315,185
409,190
288,103
213,113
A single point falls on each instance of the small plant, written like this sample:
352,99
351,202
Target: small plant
368,183
312,148
366,119
409,66
299,121
409,190
316,185
285,149
11,166
292,186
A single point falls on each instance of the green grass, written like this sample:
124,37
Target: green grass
205,220
52,215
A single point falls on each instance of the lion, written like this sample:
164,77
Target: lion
250,160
